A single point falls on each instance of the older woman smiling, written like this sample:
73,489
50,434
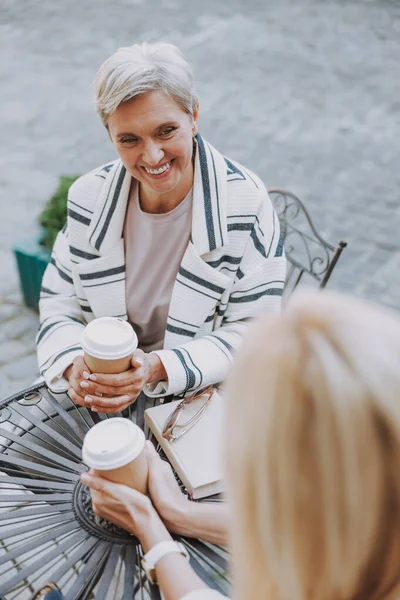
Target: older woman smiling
177,239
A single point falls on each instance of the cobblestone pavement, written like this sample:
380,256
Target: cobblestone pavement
304,93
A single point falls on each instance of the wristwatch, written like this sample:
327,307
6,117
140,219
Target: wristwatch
158,552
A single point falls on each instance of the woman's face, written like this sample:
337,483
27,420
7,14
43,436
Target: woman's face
154,139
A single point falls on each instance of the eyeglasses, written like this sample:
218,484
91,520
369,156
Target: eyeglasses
171,424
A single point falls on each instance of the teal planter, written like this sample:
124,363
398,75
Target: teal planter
32,260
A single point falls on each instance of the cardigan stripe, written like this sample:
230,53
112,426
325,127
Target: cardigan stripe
200,281
100,274
250,216
85,308
103,209
107,168
51,329
257,243
269,292
248,175
233,260
212,339
198,383
78,217
113,206
48,327
217,194
60,272
195,289
47,291
224,342
82,254
56,261
221,311
279,248
179,321
232,170
281,281
117,168
207,194
92,285
180,330
240,226
274,219
190,376
81,207
59,355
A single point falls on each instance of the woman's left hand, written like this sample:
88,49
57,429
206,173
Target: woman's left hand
112,393
127,508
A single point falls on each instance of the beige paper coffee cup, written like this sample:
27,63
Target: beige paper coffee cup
108,344
114,448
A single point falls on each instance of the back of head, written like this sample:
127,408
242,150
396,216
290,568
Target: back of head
141,68
314,452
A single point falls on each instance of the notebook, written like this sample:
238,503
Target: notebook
197,457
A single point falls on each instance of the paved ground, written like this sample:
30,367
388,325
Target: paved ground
305,93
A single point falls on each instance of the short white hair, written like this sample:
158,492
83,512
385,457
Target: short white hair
141,68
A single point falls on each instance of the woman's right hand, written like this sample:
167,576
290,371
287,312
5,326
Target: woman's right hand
202,520
127,508
171,504
76,373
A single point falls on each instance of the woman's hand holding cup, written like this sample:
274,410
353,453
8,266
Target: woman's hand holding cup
126,505
112,372
108,392
76,374
113,392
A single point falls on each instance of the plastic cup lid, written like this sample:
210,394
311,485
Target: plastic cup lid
112,443
109,338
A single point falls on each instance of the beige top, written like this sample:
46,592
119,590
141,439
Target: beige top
154,248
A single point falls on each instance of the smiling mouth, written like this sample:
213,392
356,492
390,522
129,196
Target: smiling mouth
159,171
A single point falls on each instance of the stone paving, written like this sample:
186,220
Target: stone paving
304,93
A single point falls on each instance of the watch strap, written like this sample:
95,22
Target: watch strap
157,552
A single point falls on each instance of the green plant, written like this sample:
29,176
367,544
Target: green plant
54,214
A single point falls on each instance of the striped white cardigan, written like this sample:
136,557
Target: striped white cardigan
233,269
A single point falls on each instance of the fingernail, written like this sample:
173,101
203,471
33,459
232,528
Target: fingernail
84,384
88,399
92,377
86,374
99,394
94,409
140,361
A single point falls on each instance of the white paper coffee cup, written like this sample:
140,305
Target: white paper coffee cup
114,448
108,344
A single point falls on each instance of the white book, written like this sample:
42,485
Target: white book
197,456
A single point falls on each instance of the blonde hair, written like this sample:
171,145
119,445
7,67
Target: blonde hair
313,452
141,68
